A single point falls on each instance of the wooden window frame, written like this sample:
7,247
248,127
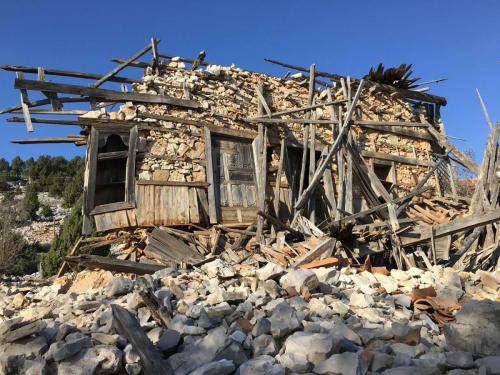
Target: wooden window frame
129,199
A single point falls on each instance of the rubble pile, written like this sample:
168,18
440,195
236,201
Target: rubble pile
216,319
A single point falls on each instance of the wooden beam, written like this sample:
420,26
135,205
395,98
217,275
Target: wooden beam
278,179
66,73
24,104
380,87
103,93
128,326
485,111
280,224
338,142
110,264
459,155
455,226
122,65
302,109
48,140
396,158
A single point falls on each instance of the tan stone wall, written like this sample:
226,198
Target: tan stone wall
227,96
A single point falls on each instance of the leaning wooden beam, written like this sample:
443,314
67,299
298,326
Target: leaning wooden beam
128,326
459,155
338,142
322,247
387,88
47,140
280,225
110,264
73,250
380,207
103,93
312,142
261,161
455,226
123,65
485,111
24,105
66,73
278,179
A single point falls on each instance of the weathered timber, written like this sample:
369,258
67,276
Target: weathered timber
381,87
459,155
103,93
128,326
66,73
320,248
338,142
122,66
280,224
454,226
48,140
110,264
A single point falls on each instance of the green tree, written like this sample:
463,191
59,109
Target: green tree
69,233
46,211
17,167
31,203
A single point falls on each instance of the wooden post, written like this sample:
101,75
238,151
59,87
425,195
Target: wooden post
262,163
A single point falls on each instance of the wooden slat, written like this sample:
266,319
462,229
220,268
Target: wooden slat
323,246
103,93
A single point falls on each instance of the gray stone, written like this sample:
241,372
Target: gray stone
61,350
238,336
261,327
37,366
168,340
411,370
296,362
193,330
100,359
234,352
491,363
263,345
269,271
459,359
380,361
222,367
283,320
133,368
263,365
118,286
298,279
339,364
476,328
317,347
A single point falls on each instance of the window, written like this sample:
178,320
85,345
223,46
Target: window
111,169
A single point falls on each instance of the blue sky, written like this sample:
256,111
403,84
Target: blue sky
456,39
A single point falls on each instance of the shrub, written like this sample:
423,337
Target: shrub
31,203
63,242
46,211
11,242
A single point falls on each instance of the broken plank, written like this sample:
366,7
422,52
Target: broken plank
316,252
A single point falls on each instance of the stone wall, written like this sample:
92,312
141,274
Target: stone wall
227,96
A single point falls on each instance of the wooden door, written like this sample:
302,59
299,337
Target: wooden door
235,179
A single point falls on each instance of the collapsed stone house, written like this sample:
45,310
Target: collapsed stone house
189,145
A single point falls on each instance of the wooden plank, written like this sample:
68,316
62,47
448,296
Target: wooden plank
122,66
24,104
66,73
103,93
280,224
396,158
213,211
320,248
278,179
111,207
194,211
128,326
260,151
398,130
455,226
130,168
112,264
338,142
31,141
72,252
